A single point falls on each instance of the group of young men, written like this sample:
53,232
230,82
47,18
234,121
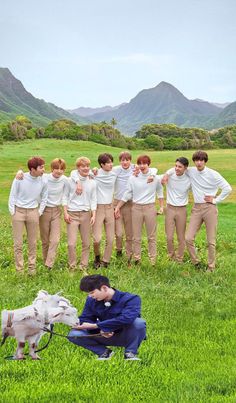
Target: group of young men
121,199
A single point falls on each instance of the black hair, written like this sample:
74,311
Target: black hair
104,158
184,161
93,282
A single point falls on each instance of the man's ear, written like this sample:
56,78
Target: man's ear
104,288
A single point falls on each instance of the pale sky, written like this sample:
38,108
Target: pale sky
103,52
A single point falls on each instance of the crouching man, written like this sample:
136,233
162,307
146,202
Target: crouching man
113,315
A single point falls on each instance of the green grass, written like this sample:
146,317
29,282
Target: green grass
190,353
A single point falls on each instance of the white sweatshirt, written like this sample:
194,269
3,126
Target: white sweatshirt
56,188
29,192
142,192
206,183
105,182
86,201
177,190
123,176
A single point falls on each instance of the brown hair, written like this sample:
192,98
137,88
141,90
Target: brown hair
35,162
200,155
125,155
104,158
82,161
58,163
145,159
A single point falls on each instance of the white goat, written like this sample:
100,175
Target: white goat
27,324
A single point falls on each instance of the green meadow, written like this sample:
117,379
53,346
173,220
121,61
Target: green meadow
190,352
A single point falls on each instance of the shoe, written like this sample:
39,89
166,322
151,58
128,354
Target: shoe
129,356
106,355
104,264
119,253
97,262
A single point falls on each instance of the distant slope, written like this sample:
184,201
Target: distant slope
161,104
16,100
86,111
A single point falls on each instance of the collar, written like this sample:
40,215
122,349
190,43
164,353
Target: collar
116,296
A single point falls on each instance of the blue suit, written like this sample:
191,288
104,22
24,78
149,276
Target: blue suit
121,316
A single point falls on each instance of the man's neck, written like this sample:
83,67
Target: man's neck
111,292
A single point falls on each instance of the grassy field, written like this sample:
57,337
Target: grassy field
190,353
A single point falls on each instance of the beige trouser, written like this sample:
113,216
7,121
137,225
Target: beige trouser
28,218
147,214
175,218
50,230
125,221
104,215
80,222
207,213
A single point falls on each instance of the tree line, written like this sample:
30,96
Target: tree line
149,137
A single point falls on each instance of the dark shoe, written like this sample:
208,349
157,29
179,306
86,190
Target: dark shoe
131,356
97,262
106,355
104,264
119,253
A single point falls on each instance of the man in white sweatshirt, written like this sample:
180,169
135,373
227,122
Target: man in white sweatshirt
177,188
25,208
205,183
105,181
143,195
80,213
50,220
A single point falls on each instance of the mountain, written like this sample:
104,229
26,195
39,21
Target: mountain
16,100
226,117
161,104
86,111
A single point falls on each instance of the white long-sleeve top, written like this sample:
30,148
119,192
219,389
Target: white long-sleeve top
206,183
84,202
29,192
56,188
142,192
105,181
177,190
123,176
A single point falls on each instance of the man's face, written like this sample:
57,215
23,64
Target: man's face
57,172
125,163
39,171
179,168
99,295
143,166
107,166
199,164
83,169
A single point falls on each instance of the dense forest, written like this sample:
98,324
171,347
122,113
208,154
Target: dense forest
150,136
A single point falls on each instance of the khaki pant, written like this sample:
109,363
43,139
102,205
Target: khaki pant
124,222
50,230
175,218
28,218
207,213
147,214
80,222
104,215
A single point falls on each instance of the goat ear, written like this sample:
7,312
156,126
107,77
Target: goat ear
63,304
42,294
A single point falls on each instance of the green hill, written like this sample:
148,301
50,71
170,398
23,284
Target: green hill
16,100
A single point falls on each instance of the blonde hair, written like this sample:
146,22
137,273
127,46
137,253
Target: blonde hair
82,161
58,163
